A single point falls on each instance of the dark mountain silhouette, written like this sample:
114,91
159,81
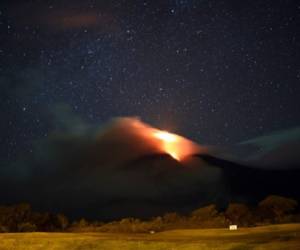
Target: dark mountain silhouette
241,182
149,185
254,183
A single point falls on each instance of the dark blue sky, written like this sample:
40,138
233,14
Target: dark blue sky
218,72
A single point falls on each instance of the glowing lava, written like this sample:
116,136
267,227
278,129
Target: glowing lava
158,140
170,142
176,146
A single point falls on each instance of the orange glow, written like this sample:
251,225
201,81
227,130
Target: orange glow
165,136
169,143
176,146
156,140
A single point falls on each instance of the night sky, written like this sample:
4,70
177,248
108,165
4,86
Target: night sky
218,72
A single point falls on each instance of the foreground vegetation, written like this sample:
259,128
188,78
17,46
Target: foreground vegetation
272,210
203,228
286,236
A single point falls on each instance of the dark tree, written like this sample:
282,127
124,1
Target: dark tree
274,207
62,221
239,214
205,213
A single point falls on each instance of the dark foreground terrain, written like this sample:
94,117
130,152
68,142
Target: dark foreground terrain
286,236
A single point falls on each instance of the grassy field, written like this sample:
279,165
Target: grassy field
268,237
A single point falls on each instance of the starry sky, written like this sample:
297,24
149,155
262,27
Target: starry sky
218,72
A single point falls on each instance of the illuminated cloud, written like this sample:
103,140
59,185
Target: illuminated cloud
59,17
66,19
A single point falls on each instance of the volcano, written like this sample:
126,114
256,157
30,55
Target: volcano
130,169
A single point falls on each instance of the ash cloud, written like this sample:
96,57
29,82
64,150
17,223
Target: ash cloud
277,150
86,171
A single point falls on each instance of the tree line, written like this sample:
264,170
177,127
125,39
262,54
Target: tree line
271,210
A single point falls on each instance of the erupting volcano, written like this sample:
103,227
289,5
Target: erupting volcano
162,141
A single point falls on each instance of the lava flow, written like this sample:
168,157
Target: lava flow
176,146
169,142
162,141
